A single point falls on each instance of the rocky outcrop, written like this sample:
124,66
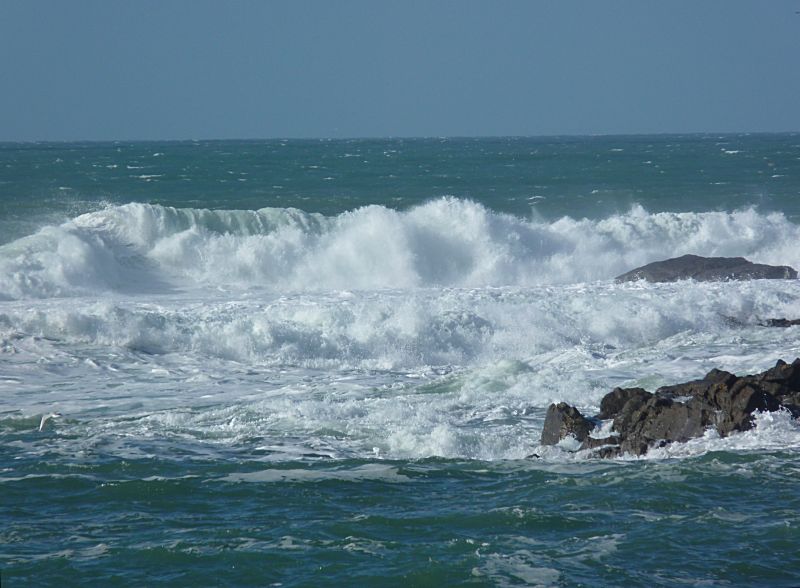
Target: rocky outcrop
779,322
677,413
563,420
706,269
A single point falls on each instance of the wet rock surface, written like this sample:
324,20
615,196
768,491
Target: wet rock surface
563,420
706,269
641,419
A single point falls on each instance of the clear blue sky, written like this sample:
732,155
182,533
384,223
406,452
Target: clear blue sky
164,69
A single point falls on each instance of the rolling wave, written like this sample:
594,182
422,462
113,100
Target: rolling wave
447,242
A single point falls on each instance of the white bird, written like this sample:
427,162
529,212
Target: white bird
47,417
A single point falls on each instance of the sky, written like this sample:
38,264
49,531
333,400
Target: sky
196,69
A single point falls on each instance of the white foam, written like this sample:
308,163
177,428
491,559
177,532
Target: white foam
545,327
446,242
445,330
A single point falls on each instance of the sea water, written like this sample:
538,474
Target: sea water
327,363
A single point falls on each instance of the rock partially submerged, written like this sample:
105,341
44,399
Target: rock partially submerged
779,322
563,420
707,269
641,419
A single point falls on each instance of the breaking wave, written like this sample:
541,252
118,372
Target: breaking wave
446,242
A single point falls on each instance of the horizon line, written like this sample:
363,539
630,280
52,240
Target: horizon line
398,137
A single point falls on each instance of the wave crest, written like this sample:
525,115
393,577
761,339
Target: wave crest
446,242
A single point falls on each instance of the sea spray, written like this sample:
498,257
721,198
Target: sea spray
444,243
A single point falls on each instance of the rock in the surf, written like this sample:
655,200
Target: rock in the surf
706,269
563,420
660,421
641,420
779,322
621,400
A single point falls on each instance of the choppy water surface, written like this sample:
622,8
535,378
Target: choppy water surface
327,363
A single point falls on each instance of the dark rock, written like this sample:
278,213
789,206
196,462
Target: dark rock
629,412
563,420
779,322
663,419
736,404
793,406
706,269
781,381
594,443
677,413
603,448
614,402
608,452
787,374
697,387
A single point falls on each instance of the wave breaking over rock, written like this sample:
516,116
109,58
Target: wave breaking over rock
643,420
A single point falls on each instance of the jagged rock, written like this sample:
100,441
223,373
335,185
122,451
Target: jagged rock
630,411
615,401
706,269
680,412
737,403
664,420
697,387
783,383
779,322
597,442
563,420
785,375
605,447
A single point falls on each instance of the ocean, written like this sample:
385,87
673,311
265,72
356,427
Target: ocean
327,362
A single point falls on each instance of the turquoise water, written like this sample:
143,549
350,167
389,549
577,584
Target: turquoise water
583,176
308,363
